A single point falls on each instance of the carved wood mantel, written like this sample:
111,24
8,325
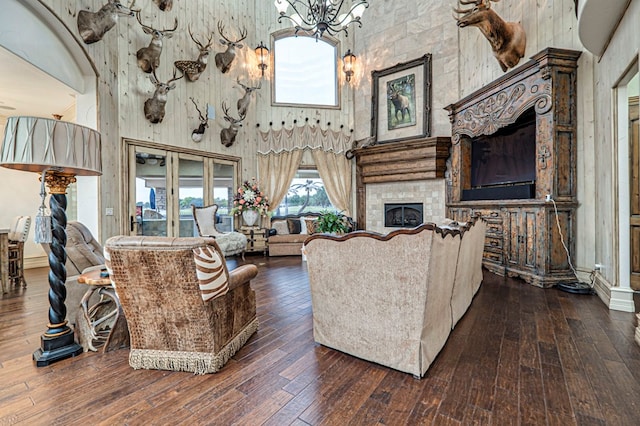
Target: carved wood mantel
522,237
417,159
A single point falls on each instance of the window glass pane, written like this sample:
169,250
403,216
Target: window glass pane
190,191
151,194
306,194
305,71
223,190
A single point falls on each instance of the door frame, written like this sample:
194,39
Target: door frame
172,152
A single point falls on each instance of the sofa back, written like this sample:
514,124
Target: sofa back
384,298
300,223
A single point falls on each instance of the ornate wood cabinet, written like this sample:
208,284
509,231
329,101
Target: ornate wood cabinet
523,237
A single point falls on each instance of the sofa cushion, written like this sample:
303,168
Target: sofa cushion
281,227
294,226
311,225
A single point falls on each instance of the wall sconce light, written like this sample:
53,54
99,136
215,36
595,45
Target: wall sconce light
262,53
348,61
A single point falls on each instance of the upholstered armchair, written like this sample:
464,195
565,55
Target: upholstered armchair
184,309
84,253
231,243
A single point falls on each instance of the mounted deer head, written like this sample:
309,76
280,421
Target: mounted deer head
149,57
154,106
228,135
198,133
93,26
243,102
193,69
508,40
224,59
164,5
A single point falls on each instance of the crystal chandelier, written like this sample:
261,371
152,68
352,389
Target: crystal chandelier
317,16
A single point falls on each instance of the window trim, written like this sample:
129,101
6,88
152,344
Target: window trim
290,32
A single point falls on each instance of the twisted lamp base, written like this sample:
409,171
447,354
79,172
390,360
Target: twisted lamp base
58,342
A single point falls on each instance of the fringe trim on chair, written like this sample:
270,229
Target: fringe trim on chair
195,362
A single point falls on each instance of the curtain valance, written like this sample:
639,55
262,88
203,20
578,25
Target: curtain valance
301,137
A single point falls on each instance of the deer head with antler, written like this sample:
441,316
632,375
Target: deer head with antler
92,26
198,133
508,40
228,135
149,57
193,69
243,102
225,59
154,107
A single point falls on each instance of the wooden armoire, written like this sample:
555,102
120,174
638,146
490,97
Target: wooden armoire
513,144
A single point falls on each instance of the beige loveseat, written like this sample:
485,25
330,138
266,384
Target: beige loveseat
289,232
393,299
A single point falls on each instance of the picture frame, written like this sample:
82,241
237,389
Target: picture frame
401,101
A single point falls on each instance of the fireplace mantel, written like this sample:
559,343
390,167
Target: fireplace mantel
413,160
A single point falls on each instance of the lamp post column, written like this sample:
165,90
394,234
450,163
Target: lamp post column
58,342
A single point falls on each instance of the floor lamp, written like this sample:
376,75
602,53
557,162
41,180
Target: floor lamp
62,151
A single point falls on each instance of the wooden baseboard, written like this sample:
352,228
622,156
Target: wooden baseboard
36,262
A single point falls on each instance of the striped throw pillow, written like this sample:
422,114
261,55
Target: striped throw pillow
210,272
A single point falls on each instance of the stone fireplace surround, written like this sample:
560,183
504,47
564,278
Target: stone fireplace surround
401,173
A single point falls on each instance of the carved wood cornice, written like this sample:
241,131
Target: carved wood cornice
501,102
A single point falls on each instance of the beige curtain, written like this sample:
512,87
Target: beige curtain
276,172
335,171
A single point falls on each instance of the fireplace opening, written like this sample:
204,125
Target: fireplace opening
403,215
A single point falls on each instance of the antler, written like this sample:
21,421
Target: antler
175,27
175,71
201,47
249,88
483,4
243,33
140,22
198,109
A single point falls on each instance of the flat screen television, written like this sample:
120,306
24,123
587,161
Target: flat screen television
505,159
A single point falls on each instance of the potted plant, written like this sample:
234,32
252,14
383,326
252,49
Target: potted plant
250,202
331,223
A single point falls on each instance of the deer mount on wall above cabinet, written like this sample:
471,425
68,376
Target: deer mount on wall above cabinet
154,107
508,39
93,26
193,69
149,57
225,59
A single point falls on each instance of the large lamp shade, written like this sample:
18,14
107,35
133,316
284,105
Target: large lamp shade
36,144
60,151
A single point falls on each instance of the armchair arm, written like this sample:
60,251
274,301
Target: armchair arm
241,275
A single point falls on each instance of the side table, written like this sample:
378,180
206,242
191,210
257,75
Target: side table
256,239
101,325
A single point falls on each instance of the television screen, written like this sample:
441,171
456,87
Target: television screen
507,156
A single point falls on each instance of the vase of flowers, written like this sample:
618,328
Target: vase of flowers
250,202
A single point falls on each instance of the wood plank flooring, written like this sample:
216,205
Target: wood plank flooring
520,356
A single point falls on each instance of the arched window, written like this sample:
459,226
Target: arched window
305,71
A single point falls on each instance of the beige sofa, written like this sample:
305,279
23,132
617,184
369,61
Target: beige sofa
393,299
286,239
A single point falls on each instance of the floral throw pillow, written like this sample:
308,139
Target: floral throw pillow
311,225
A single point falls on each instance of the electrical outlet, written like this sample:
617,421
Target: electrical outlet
548,198
108,211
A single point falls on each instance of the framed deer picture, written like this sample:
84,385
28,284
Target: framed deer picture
401,101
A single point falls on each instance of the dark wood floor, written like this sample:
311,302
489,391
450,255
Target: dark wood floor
521,355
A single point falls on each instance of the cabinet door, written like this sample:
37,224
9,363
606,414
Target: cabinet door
521,238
